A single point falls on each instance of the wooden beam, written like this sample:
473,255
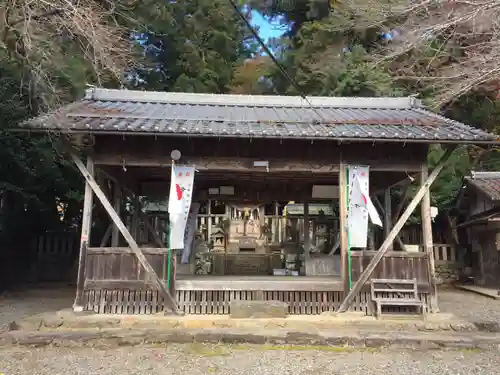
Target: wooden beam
401,204
124,184
363,278
209,221
106,236
135,217
85,235
125,250
344,271
397,213
229,284
427,238
117,203
388,215
173,270
403,182
152,276
307,233
240,164
276,222
255,196
382,211
151,230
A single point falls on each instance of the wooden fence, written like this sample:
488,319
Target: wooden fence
445,254
394,265
53,254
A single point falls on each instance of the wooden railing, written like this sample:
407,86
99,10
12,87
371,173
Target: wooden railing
53,255
403,265
394,265
445,254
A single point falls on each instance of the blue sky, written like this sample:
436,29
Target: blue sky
266,29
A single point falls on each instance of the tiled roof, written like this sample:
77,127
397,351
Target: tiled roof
123,111
488,183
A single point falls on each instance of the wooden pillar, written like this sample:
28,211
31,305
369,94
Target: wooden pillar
307,235
344,271
371,237
377,203
107,236
209,220
388,215
276,222
427,238
173,273
84,238
136,218
117,200
480,260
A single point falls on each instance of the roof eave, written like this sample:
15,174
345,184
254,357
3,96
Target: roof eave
200,135
112,95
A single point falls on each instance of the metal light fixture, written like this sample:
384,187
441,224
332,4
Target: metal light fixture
175,155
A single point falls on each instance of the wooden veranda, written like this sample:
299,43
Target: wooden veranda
128,138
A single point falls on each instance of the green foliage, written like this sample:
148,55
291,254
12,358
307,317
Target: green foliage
32,173
192,46
292,12
449,181
326,60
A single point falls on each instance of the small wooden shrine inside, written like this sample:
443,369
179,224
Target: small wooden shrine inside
271,183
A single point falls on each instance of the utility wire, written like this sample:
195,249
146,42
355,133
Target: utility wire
267,50
273,58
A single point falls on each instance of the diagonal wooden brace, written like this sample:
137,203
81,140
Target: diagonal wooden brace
382,210
151,274
154,233
363,278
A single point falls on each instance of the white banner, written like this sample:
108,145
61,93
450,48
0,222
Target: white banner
357,216
372,211
360,207
179,202
190,231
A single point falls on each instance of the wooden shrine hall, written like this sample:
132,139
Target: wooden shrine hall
271,183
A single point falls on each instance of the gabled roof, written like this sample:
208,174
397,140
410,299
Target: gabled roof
185,114
487,183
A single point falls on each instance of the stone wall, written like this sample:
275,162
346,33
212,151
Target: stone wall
447,273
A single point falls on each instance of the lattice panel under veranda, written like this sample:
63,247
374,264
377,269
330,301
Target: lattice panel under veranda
218,302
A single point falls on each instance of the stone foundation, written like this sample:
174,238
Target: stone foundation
447,273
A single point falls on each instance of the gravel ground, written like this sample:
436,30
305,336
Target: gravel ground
262,360
469,306
242,360
25,302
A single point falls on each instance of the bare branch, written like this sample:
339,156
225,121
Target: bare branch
456,43
44,35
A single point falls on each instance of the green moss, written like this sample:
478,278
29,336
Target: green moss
207,350
323,348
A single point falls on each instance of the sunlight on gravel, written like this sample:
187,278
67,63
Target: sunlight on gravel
26,302
197,359
469,306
